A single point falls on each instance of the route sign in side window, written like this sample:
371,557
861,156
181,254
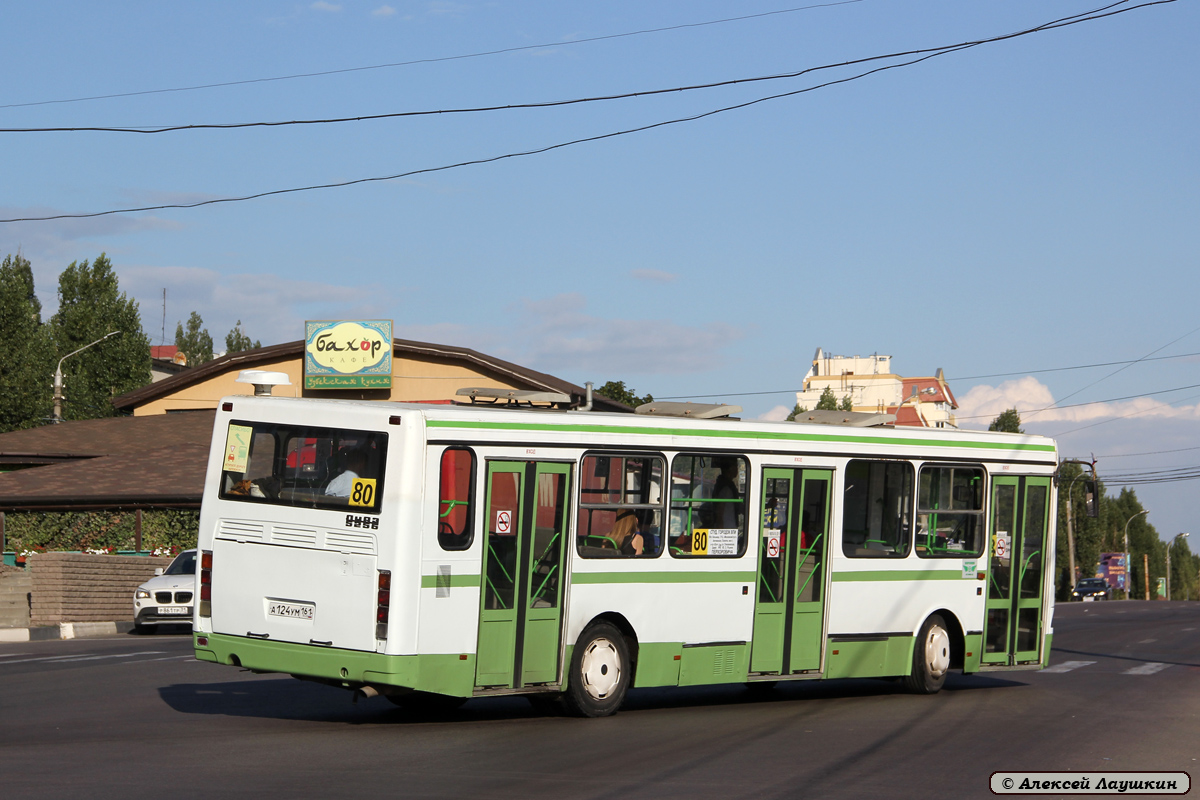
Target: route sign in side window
291,465
950,512
877,509
621,506
708,506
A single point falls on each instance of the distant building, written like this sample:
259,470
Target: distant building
871,386
166,361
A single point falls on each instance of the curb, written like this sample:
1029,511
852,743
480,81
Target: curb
65,630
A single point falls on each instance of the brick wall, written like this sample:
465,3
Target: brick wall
75,587
14,598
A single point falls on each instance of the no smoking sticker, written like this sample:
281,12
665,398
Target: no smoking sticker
503,522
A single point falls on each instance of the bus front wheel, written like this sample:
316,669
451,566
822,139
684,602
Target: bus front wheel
931,657
600,672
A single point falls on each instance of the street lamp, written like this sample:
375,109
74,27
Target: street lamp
1128,566
58,376
1177,537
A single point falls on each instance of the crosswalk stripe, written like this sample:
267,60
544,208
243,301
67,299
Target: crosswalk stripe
1149,668
1067,666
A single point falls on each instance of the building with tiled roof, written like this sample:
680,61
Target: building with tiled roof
871,386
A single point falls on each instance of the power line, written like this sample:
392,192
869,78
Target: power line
435,60
1105,11
1097,402
1114,419
941,50
1081,366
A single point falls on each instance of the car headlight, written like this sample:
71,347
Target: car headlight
141,594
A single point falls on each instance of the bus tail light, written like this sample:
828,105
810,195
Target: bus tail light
383,603
206,583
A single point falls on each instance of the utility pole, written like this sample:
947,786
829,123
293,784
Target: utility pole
1092,509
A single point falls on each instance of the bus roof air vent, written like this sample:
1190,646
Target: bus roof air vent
851,419
524,398
693,410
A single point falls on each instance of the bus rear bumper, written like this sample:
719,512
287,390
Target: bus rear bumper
452,674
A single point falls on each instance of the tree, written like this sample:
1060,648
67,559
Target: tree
797,411
195,342
846,405
615,390
91,305
1009,421
827,401
237,341
27,365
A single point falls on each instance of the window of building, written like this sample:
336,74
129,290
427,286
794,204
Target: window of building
621,506
304,466
950,512
877,509
456,507
708,505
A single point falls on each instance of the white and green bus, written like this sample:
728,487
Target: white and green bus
437,553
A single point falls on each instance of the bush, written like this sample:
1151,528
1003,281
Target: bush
100,530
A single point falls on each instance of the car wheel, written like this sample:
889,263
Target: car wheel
931,658
600,672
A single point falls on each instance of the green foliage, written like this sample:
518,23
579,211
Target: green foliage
90,305
616,390
827,401
797,411
27,366
195,342
236,341
82,530
846,405
1009,421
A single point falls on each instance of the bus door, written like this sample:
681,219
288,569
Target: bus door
1016,570
789,610
520,617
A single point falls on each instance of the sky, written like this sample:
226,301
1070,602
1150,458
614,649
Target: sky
1012,213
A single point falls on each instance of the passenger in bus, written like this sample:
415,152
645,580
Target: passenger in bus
626,534
356,465
726,488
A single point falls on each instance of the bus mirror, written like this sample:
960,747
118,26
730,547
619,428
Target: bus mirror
1093,508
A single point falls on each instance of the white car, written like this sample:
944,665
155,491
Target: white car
166,599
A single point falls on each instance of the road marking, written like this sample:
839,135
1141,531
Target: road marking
1067,666
14,655
1149,668
1147,641
84,657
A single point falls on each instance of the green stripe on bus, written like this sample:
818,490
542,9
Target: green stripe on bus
900,575
719,434
461,581
663,577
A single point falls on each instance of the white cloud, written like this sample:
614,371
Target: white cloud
979,406
320,5
653,275
776,414
383,11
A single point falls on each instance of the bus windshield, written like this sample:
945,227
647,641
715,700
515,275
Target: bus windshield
295,465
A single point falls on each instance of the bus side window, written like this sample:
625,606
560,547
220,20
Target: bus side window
456,499
708,505
877,509
620,506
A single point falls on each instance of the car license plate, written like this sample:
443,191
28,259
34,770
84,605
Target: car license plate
1091,598
291,610
173,611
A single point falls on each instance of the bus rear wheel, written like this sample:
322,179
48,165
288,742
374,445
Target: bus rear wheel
931,658
600,672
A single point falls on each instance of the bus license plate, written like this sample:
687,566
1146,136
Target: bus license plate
291,610
173,611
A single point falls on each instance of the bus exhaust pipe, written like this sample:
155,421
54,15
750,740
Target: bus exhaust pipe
365,692
587,406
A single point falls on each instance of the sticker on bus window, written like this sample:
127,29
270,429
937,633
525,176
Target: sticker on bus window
503,522
773,540
1000,544
237,447
363,493
714,541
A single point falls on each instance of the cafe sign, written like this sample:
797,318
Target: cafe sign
348,354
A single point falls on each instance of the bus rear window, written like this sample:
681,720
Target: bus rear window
293,465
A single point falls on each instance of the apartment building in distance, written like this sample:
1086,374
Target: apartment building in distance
871,386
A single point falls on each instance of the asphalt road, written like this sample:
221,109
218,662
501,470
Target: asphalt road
135,716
